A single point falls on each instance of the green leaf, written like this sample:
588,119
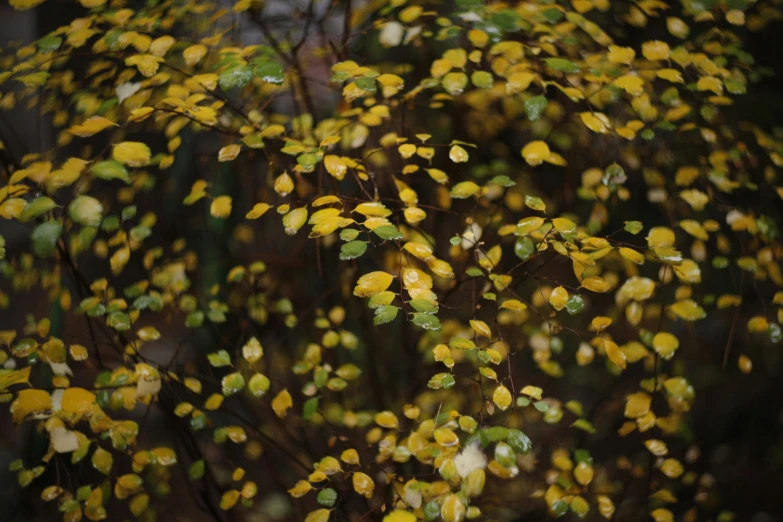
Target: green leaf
535,203
352,250
385,314
308,160
424,306
232,383
426,321
45,237
575,304
110,169
196,470
541,406
49,43
503,181
86,210
584,425
120,321
258,384
524,248
235,77
388,232
562,65
349,234
482,79
634,227
327,497
310,407
194,319
36,207
270,71
219,359
535,106
553,16
519,441
367,84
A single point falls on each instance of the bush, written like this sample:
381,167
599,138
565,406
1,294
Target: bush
401,261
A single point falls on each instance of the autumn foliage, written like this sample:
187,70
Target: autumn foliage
382,260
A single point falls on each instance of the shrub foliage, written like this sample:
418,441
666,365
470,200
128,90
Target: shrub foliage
398,261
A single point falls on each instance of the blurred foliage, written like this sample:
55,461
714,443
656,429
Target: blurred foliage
401,261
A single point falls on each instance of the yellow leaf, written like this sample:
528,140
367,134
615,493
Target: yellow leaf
656,50
614,354
596,122
14,377
300,489
229,499
677,27
619,54
281,403
259,209
458,154
481,328
391,80
221,207
583,473
132,153
160,46
637,405
372,209
688,310
363,484
558,298
452,510
535,153
660,237
671,75
229,152
710,83
319,515
665,344
373,283
630,83
147,64
77,400
336,166
91,126
519,81
596,284
294,220
528,225
502,397
194,53
30,401
735,17
631,255
744,364
399,515
284,185
252,351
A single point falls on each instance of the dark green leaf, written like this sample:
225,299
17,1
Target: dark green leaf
45,237
385,314
562,65
426,321
352,250
388,232
535,106
270,71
